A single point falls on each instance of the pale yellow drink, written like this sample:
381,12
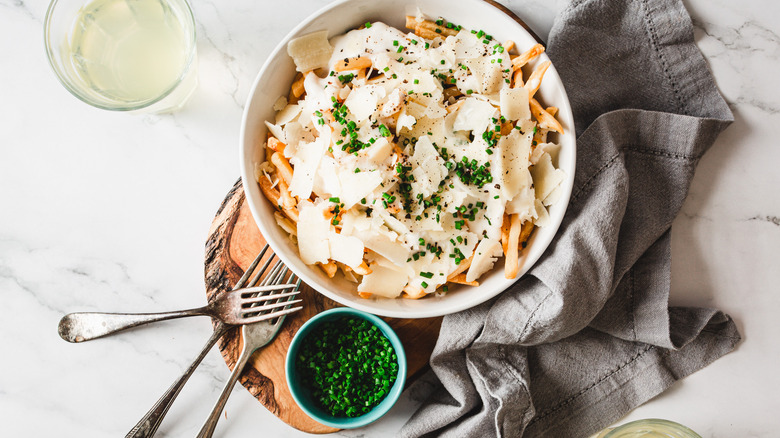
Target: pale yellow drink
131,53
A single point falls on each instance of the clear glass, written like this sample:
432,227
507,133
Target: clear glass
649,428
124,55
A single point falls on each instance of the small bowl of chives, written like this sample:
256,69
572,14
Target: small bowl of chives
345,368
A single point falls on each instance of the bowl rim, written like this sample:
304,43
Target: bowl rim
379,410
247,178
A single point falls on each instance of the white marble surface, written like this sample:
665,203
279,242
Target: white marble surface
105,211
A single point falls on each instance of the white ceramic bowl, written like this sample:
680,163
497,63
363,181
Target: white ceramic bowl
274,80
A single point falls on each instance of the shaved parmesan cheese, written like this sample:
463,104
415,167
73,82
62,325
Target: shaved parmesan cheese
294,133
488,74
485,256
362,102
466,45
287,114
405,121
383,281
542,216
511,165
474,115
523,203
326,181
380,150
514,103
311,51
392,223
427,167
306,161
345,249
393,103
313,228
285,224
546,177
280,103
554,196
276,131
384,246
355,186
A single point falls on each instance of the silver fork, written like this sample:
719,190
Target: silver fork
150,422
231,308
254,336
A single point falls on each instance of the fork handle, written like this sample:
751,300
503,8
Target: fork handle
148,425
211,423
85,326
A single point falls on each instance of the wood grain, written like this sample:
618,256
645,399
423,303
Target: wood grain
233,242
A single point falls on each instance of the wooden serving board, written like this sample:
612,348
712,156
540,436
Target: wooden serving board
233,242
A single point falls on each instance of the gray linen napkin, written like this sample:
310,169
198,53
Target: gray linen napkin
588,335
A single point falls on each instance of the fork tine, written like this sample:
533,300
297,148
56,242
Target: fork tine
261,298
272,315
271,276
280,275
252,291
243,280
266,307
256,279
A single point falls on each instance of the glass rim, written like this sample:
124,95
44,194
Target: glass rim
63,79
677,427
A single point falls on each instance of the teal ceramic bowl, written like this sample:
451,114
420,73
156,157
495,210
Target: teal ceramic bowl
301,394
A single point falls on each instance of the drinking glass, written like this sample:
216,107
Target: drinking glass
124,55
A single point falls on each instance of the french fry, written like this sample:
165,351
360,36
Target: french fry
413,292
451,108
276,145
283,167
451,92
343,267
535,80
509,45
433,28
355,63
527,56
543,117
285,199
397,149
506,127
266,186
286,224
540,137
461,279
425,33
363,269
505,233
428,29
297,89
328,268
411,22
525,233
464,264
512,262
517,78
292,213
